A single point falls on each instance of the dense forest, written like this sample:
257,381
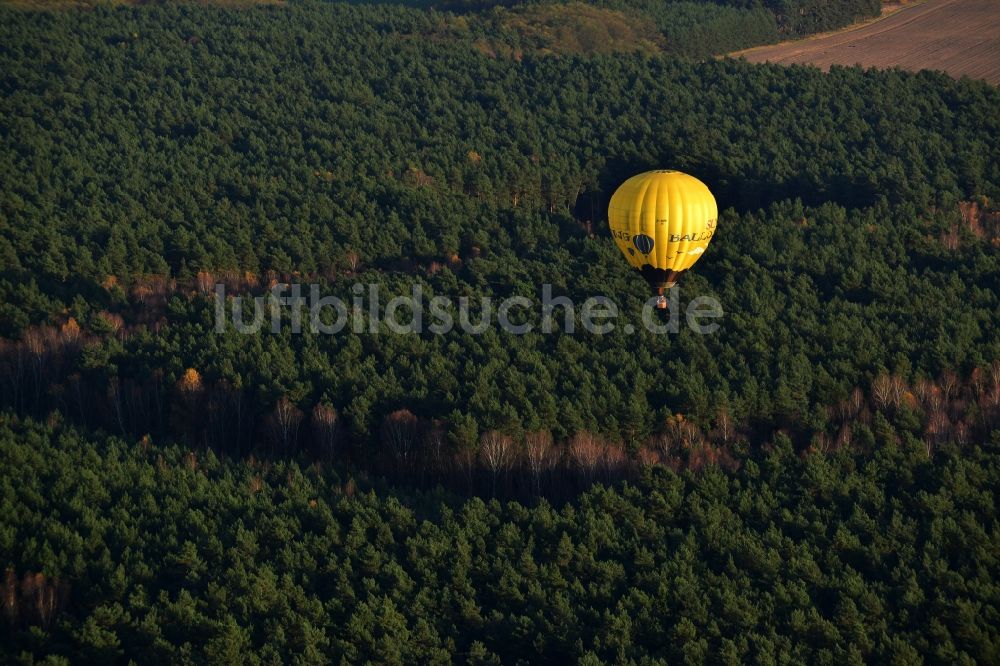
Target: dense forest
150,552
813,482
857,236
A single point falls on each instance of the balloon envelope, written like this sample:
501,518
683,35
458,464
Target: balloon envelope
662,221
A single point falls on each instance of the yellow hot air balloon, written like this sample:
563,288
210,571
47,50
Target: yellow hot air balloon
662,221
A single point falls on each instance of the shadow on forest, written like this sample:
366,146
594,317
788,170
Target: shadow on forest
742,193
30,286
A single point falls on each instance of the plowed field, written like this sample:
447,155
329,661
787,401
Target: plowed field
960,37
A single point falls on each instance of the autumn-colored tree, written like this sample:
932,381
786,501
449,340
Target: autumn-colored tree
41,598
663,444
187,409
649,456
994,373
977,380
190,382
325,429
140,292
8,597
539,456
400,435
615,462
937,431
843,439
585,451
205,282
38,341
70,334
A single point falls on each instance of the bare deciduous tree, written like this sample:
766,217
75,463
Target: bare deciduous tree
140,292
585,450
882,391
897,390
70,334
41,599
928,393
399,434
115,399
497,452
724,425
285,420
539,455
857,402
8,597
961,433
353,260
325,429
689,434
949,383
205,281
937,431
614,462
664,443
978,382
843,439
435,440
649,456
991,402
994,373
465,463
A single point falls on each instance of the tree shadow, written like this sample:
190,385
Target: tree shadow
744,193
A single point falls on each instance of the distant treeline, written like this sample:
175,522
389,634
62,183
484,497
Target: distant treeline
702,28
705,27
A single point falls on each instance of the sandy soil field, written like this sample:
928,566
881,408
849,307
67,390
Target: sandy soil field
960,37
